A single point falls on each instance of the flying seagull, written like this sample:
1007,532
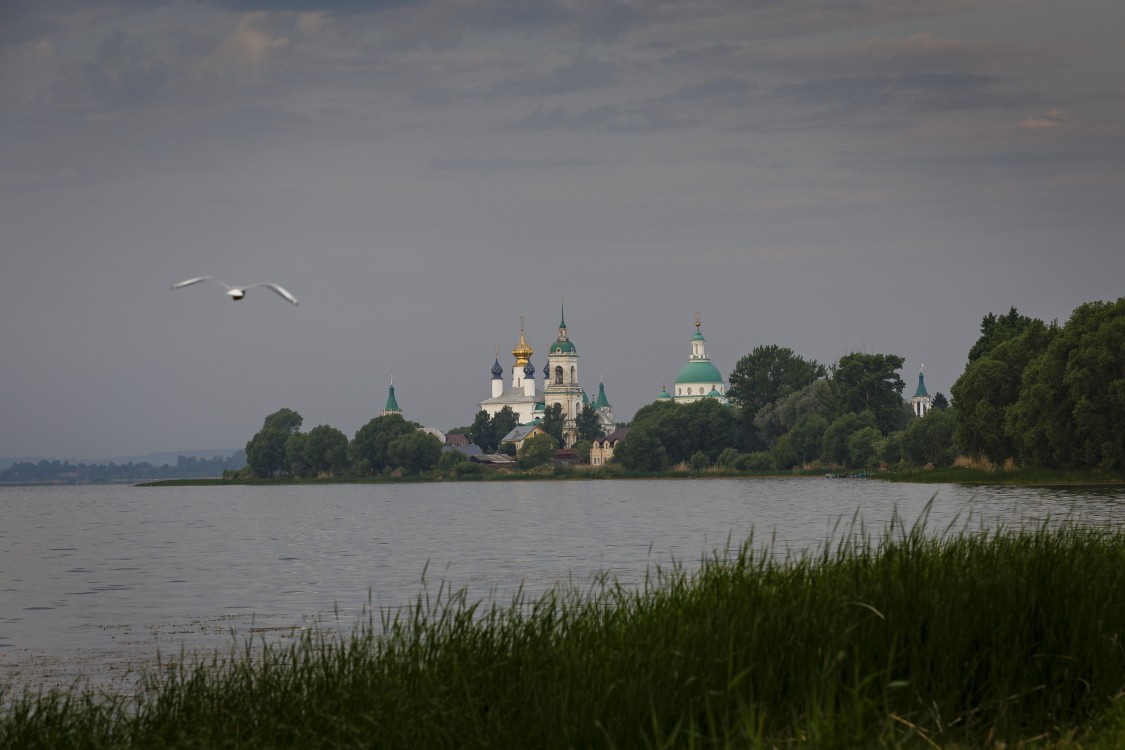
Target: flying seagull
238,292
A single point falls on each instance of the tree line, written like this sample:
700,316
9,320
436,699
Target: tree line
385,444
187,467
1034,394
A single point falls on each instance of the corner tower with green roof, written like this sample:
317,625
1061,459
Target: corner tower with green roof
922,401
699,378
391,406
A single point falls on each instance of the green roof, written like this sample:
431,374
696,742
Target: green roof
921,391
601,401
563,347
699,371
664,394
392,402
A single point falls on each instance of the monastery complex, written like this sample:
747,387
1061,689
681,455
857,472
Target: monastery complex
529,399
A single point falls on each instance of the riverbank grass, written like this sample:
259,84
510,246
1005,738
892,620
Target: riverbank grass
907,641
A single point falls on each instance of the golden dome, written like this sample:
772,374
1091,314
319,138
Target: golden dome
522,352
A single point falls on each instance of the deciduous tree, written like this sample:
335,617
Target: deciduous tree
537,450
870,382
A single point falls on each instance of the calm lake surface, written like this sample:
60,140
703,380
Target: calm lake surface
96,580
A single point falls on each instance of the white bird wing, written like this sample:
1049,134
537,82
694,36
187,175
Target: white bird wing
280,290
198,279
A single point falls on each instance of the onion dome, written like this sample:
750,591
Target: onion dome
664,393
497,370
547,371
522,352
529,370
714,392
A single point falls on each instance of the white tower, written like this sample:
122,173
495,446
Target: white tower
922,402
562,384
497,375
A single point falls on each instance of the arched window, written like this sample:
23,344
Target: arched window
573,374
558,375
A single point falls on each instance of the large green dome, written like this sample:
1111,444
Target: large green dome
699,371
562,347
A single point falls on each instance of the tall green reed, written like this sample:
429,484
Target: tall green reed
907,639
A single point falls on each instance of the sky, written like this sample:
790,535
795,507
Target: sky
832,177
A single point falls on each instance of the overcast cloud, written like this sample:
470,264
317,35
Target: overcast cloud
831,177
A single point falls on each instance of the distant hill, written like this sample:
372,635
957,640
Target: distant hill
152,466
156,459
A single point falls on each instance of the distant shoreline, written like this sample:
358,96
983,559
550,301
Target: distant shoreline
1015,477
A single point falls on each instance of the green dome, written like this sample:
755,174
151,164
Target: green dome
699,371
563,347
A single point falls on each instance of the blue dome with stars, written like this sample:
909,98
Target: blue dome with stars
529,370
497,370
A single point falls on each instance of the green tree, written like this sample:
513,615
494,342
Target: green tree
369,447
806,439
698,462
588,425
995,330
1071,407
870,382
284,419
295,461
990,386
265,452
929,440
503,422
582,450
775,419
552,423
535,451
414,452
863,446
728,457
482,434
940,401
835,443
326,450
769,373
641,450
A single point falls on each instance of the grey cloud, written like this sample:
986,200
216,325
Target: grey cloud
309,6
607,118
579,75
910,92
709,54
494,166
729,90
123,73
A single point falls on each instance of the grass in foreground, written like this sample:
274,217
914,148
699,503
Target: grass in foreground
966,641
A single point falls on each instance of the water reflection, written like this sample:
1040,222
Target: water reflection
97,579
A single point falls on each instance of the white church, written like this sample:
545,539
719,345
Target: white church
560,386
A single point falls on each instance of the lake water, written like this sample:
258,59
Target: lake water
96,580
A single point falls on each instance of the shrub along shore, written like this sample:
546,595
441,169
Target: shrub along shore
950,475
967,640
